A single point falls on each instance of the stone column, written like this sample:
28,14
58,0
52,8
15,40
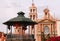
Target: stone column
51,29
42,28
54,30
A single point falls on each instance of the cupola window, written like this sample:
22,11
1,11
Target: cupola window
33,10
30,10
33,17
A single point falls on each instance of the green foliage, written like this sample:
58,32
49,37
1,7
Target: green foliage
43,37
48,36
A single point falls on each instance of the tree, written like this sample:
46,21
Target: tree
54,39
43,36
48,36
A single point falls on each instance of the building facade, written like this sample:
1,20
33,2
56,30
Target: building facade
2,36
46,25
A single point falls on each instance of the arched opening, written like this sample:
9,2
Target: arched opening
33,17
46,30
30,10
30,16
33,10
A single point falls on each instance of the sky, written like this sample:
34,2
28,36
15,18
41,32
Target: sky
9,9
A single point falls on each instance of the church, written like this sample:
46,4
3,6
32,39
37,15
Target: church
47,24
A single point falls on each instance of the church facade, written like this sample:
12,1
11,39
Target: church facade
47,24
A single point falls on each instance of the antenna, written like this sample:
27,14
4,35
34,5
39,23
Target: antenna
32,1
47,7
54,15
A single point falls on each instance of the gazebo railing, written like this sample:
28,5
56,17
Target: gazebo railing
20,38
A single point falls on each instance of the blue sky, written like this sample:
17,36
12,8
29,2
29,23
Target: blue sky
9,9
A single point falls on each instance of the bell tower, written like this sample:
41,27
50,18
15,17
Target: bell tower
33,11
33,16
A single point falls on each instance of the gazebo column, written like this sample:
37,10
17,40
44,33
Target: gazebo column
11,32
21,31
30,30
7,29
10,28
24,31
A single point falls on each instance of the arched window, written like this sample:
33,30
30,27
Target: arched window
33,17
33,10
30,10
30,16
46,30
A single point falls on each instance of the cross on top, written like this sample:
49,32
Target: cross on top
32,1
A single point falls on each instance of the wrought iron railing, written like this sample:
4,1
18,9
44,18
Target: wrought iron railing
20,38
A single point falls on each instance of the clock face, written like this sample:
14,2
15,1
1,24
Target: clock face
46,30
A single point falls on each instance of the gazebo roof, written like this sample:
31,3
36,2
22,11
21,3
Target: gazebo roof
20,19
